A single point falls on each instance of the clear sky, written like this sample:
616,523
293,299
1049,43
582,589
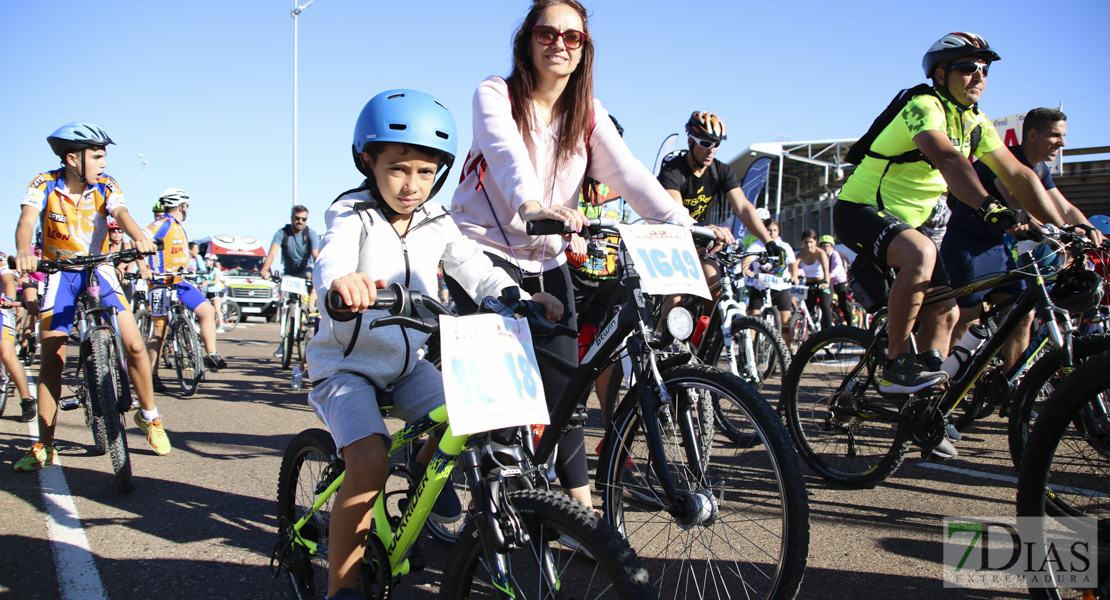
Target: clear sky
205,90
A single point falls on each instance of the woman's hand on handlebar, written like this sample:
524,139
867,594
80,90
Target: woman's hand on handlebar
724,237
533,211
357,290
578,245
551,305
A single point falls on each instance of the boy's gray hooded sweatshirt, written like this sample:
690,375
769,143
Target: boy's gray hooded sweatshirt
364,241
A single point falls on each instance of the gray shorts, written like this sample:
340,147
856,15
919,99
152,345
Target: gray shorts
347,403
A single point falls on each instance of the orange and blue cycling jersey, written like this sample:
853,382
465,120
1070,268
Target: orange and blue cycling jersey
72,225
174,256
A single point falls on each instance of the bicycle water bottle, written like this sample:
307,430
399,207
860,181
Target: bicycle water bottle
963,350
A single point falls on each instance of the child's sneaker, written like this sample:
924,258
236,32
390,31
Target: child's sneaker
29,408
215,362
906,375
447,508
37,457
155,433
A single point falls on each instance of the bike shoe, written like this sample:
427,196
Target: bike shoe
159,387
447,508
37,457
931,359
215,362
943,451
277,353
28,406
906,375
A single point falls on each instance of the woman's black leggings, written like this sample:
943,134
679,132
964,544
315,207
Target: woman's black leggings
570,465
842,305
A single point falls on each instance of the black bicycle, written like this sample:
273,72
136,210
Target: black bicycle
850,433
102,387
181,343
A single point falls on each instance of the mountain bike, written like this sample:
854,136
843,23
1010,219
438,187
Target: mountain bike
727,519
852,434
291,321
101,384
803,322
181,344
230,313
1065,472
518,542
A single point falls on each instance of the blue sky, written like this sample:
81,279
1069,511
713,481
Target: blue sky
205,90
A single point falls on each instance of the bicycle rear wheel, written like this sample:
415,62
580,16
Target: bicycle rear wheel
142,319
309,465
571,554
1065,469
5,388
187,358
104,393
230,313
831,413
740,526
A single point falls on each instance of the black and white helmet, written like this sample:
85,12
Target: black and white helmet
173,197
955,45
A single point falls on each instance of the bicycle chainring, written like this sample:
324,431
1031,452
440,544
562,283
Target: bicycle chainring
375,576
928,433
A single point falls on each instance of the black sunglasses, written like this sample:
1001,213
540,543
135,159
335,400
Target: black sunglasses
969,68
572,38
295,219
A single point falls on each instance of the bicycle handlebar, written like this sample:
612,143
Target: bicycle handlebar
61,264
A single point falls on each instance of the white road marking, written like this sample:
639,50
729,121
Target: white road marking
1010,479
78,578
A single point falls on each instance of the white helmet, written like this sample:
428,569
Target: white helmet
763,213
173,197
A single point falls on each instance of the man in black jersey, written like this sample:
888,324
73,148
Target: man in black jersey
696,179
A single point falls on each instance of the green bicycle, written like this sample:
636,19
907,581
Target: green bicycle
518,542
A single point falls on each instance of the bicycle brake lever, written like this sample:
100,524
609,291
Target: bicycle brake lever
406,322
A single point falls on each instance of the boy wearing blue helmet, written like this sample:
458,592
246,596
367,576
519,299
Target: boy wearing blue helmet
386,232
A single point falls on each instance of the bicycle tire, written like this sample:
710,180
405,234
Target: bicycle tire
187,359
142,319
754,540
309,460
1037,386
980,400
614,571
5,389
231,313
769,363
1066,461
289,337
832,448
104,394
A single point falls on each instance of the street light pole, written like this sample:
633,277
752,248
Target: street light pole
142,186
296,11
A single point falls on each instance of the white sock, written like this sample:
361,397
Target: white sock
150,415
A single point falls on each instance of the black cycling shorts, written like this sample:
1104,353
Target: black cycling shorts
868,231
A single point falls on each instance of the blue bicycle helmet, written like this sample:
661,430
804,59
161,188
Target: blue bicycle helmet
408,117
77,136
1101,223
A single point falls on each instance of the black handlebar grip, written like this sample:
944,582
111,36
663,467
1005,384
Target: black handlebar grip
335,301
11,262
546,227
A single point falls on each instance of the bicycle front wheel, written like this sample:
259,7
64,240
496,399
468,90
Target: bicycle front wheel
571,554
309,465
830,408
1065,470
142,319
104,392
289,337
760,358
187,358
739,523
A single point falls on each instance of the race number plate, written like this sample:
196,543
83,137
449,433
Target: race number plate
666,259
490,377
294,285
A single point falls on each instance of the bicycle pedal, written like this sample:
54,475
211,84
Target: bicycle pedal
68,403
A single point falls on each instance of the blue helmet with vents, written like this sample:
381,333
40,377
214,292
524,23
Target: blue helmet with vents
406,117
77,136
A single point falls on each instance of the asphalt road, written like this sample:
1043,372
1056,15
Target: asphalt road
200,522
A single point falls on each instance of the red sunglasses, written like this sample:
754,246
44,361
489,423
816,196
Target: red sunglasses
572,38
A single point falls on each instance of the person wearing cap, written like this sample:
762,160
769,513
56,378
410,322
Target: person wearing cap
174,258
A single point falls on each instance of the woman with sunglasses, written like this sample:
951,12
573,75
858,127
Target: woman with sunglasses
537,134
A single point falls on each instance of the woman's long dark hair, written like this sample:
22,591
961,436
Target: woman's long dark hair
576,103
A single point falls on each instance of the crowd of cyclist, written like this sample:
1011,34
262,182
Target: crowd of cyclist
543,149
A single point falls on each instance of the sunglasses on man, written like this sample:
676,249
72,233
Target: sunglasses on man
970,68
572,38
704,143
